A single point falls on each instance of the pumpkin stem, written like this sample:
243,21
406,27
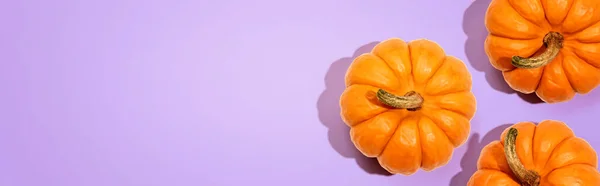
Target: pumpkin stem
411,101
527,177
553,42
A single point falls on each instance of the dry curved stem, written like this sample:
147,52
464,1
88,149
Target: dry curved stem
411,101
526,177
553,42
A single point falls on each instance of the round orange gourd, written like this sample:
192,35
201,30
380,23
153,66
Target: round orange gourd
548,154
408,104
550,47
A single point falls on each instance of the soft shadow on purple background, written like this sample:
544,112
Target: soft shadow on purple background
474,27
468,163
329,113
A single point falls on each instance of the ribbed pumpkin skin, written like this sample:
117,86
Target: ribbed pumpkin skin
518,28
550,148
405,140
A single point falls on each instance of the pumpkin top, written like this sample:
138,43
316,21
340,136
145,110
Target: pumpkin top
410,76
530,155
408,104
550,48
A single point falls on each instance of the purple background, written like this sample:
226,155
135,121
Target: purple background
230,92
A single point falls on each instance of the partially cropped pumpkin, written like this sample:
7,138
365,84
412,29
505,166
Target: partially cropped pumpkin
549,47
408,104
548,154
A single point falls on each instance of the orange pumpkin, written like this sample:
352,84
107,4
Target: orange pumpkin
529,155
408,104
550,47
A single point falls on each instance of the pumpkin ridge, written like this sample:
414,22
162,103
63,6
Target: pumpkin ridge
587,147
436,107
571,82
511,175
412,73
450,79
572,166
533,147
552,152
513,38
442,128
574,36
573,39
391,136
539,81
385,147
546,15
369,66
489,178
391,69
375,115
454,111
453,92
500,148
436,125
434,73
382,106
513,13
563,75
566,15
579,30
567,165
574,53
494,44
371,86
525,18
587,24
419,138
396,125
412,65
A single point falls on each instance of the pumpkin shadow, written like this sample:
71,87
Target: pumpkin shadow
474,28
329,113
469,160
